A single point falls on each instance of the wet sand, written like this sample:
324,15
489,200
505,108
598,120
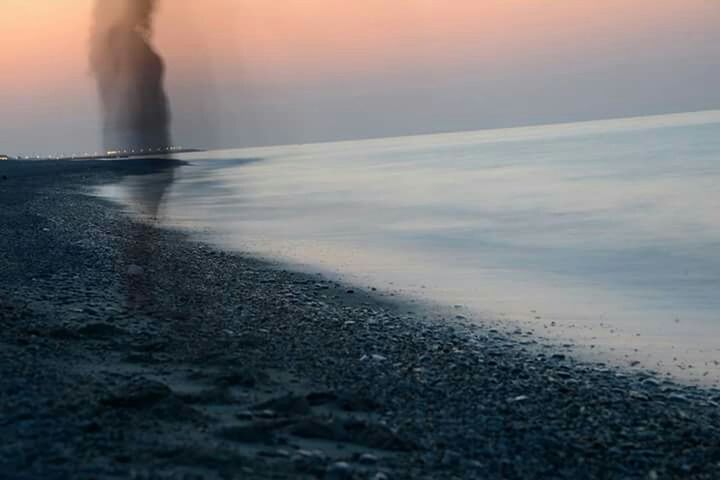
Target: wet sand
130,351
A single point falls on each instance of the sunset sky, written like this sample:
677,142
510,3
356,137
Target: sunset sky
250,72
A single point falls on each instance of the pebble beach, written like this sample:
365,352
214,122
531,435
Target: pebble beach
129,350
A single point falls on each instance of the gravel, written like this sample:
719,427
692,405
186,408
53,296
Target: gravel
131,351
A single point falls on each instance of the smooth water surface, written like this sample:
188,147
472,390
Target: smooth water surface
606,233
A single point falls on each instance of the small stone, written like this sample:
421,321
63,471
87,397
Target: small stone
246,416
368,459
305,453
451,458
266,414
135,270
339,471
651,382
519,398
273,454
639,396
286,405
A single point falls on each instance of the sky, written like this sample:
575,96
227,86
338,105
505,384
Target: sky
253,72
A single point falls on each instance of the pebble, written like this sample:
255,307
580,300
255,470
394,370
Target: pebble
368,459
135,270
339,471
247,416
451,458
638,396
651,382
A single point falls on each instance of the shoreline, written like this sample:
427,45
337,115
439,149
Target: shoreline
129,348
646,301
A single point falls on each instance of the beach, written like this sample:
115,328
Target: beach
133,351
597,234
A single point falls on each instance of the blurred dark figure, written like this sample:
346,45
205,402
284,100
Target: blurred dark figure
135,115
129,74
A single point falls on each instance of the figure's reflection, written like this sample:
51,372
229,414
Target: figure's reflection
146,195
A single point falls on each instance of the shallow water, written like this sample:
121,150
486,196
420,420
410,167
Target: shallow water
605,233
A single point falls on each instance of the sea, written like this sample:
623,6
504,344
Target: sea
601,237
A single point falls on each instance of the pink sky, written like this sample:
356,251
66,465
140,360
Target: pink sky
304,70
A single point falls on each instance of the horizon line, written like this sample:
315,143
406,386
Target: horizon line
628,118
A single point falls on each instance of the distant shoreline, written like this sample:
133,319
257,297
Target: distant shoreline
113,155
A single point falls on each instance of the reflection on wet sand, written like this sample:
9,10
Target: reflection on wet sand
145,195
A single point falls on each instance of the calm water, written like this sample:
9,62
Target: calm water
606,233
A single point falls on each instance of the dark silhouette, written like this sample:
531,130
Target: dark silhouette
129,74
136,118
